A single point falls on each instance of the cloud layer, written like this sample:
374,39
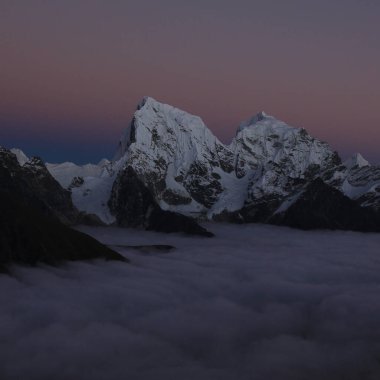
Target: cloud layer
256,302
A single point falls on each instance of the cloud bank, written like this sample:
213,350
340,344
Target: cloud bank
256,302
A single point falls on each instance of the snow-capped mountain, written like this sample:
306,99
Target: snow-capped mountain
278,158
265,140
261,173
178,158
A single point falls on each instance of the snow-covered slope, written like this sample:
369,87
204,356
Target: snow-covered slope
22,158
360,181
65,173
356,161
90,185
91,195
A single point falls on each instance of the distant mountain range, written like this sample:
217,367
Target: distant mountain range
170,172
266,169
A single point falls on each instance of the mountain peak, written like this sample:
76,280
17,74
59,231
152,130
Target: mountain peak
262,119
145,101
22,158
260,116
357,160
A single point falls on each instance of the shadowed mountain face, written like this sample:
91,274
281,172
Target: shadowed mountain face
32,205
321,206
37,186
134,206
28,236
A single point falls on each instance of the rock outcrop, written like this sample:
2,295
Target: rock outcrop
134,206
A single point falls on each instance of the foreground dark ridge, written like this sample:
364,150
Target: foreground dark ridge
28,237
30,227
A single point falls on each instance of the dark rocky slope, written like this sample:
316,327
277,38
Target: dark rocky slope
323,207
35,184
32,206
27,236
134,206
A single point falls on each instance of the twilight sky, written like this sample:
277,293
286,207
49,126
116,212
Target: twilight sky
72,71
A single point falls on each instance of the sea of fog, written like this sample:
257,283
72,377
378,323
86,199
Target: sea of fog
255,302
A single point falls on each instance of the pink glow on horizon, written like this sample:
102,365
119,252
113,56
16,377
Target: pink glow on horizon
78,69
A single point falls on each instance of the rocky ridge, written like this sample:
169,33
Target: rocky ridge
35,211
